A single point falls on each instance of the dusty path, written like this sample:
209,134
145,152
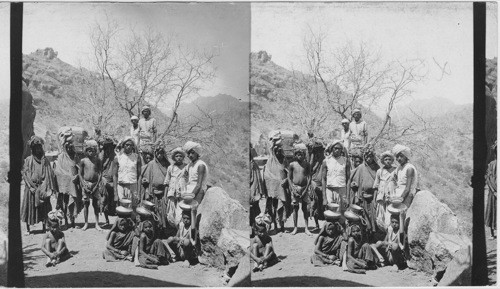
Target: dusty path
87,268
295,268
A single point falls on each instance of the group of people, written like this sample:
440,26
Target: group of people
361,195
154,197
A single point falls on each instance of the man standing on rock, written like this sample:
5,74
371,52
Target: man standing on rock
358,130
135,129
147,126
406,176
197,172
491,181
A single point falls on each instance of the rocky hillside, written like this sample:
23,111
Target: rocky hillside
444,153
59,95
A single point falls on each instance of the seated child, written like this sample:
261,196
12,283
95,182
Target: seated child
152,251
54,243
262,250
328,245
390,250
182,246
360,255
119,241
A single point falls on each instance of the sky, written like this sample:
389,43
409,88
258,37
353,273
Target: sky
434,32
204,26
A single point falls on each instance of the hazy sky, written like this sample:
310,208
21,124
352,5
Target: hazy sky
436,31
224,27
5,50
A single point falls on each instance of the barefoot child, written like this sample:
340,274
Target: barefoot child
182,246
359,254
328,245
54,243
152,251
299,178
90,178
262,250
390,250
119,242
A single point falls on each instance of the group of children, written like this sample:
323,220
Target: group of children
342,241
133,237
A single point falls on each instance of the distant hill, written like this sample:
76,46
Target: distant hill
57,97
442,153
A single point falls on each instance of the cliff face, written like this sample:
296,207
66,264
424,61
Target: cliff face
491,104
29,114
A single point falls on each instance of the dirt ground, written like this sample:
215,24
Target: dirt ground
87,268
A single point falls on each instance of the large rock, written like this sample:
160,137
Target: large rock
241,277
426,215
29,114
442,246
459,270
223,228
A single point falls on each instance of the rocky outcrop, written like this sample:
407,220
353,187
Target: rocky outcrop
241,277
459,270
224,230
442,246
433,234
29,113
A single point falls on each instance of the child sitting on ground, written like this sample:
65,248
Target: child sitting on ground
328,245
262,250
182,246
119,241
54,243
360,255
390,250
152,251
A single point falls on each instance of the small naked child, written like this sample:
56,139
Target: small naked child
54,243
262,250
299,177
90,176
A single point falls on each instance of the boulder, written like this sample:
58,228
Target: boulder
29,113
223,222
442,246
459,270
241,277
426,215
234,244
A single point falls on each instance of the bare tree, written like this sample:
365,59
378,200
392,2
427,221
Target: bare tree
342,79
98,102
150,68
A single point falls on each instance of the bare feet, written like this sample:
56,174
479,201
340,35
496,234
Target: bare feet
97,227
294,231
307,232
85,227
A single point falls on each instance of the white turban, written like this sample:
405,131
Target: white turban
191,145
401,149
90,143
299,147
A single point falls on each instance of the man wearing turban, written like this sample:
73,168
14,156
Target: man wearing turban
147,126
197,171
358,129
40,184
336,172
66,172
406,176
